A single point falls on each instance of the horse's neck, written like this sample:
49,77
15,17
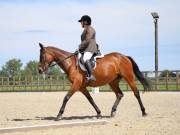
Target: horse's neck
64,64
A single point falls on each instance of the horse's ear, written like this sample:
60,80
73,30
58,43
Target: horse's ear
41,46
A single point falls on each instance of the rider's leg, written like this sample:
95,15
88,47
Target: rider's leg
86,59
87,56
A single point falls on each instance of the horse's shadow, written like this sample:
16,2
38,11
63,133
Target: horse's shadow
64,118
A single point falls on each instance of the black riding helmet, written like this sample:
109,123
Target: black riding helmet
85,18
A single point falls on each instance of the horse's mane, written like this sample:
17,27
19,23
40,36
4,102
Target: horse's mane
58,50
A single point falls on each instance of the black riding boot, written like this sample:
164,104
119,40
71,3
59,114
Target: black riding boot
90,76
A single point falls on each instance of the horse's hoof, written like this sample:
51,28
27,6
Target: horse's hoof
113,114
99,116
144,114
59,117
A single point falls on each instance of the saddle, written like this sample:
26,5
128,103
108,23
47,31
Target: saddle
93,59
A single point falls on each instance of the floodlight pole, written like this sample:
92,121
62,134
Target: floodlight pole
155,18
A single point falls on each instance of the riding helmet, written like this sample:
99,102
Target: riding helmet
85,18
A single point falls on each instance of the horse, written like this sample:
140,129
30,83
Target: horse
109,70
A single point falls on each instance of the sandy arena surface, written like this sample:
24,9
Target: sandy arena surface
163,108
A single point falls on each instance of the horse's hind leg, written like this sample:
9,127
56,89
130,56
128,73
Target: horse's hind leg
115,87
131,81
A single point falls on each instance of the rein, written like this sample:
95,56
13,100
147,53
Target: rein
59,61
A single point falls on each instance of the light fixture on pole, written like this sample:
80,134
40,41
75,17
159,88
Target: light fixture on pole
156,17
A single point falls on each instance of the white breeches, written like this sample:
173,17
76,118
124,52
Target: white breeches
87,56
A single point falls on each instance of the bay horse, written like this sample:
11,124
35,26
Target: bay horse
109,70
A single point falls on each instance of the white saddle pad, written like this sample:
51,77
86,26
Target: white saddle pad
82,66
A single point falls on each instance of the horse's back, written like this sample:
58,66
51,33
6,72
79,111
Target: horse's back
114,57
115,61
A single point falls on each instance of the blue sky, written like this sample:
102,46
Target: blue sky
125,26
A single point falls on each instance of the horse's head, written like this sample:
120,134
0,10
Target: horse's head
46,58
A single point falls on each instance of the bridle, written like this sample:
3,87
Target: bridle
59,60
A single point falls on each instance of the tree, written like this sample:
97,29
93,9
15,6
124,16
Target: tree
54,70
167,72
31,68
12,68
3,72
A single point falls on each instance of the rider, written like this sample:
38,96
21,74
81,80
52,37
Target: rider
88,44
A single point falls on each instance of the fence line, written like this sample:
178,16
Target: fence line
61,83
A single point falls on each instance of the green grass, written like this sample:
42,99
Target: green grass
123,86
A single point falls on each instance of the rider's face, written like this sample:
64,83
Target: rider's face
82,24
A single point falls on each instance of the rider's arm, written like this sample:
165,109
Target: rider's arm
89,35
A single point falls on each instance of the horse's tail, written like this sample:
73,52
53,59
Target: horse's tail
139,75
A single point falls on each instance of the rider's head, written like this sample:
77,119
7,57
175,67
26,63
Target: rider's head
85,20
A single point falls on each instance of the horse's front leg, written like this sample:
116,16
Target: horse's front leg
90,99
74,88
66,98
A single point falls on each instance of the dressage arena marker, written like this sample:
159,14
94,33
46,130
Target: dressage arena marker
52,126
